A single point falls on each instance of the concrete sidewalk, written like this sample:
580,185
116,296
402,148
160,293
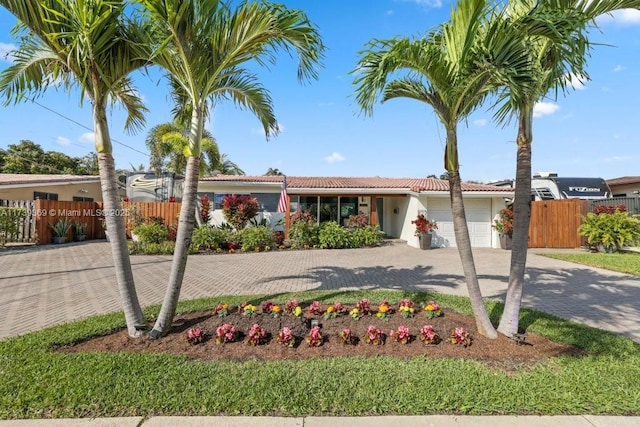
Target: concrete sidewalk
391,421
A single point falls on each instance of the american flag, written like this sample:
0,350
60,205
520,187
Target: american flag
282,203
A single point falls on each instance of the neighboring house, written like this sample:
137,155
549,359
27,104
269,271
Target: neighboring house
52,187
626,186
391,203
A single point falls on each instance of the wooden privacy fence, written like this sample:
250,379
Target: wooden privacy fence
554,223
92,213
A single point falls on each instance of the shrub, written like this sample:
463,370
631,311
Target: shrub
303,234
333,236
612,231
164,248
256,238
238,210
366,236
208,237
358,221
609,209
151,233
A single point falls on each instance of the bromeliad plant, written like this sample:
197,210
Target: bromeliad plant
286,338
461,337
195,336
401,335
314,338
225,333
406,308
504,223
423,225
429,336
374,336
432,310
256,335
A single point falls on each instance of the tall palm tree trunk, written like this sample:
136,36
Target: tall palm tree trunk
463,241
521,216
186,223
116,226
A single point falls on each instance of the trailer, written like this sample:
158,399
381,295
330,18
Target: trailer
549,186
151,187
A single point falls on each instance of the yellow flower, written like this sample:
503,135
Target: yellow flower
275,309
429,307
379,315
330,309
225,306
297,311
411,309
384,308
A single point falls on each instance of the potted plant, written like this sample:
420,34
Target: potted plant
60,230
504,227
79,231
424,228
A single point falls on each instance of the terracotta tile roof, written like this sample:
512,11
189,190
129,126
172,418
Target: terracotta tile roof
23,178
624,180
310,182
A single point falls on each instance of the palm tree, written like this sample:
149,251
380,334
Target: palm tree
91,45
554,56
274,172
166,144
203,45
446,70
228,167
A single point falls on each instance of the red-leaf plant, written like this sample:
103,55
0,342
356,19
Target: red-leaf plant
363,307
460,336
428,335
315,308
346,337
290,306
267,307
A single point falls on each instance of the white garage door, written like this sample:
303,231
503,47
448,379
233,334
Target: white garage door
478,213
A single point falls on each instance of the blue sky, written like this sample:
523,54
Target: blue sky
594,131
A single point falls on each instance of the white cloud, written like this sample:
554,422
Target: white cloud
623,17
87,138
334,158
61,140
480,122
5,51
425,3
618,68
617,159
574,81
544,108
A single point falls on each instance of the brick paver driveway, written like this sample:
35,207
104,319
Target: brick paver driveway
47,285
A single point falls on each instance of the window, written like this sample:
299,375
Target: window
267,201
44,196
82,199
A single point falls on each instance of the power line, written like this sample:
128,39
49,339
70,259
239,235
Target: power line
86,127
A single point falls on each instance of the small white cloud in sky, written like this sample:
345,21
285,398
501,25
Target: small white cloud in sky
574,81
5,51
61,140
623,17
425,3
544,109
617,158
87,138
334,158
480,122
618,68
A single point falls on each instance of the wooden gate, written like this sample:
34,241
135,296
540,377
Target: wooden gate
554,223
23,230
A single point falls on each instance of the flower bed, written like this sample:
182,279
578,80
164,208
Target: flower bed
263,336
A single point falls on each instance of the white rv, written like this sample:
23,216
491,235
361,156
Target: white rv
549,186
149,187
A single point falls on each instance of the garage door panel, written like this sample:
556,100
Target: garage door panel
478,214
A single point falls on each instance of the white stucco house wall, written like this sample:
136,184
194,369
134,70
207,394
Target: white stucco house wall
391,203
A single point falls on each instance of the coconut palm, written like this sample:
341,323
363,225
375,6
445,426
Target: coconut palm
228,167
91,45
448,70
166,144
203,46
274,172
554,57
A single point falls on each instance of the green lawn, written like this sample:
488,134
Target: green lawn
623,262
36,382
